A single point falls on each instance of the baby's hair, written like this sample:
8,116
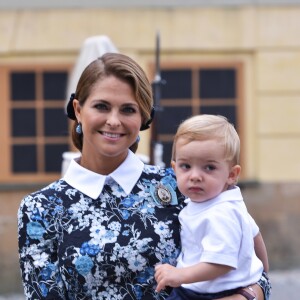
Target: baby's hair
210,127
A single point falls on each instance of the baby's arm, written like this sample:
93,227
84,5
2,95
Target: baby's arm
259,244
261,251
167,275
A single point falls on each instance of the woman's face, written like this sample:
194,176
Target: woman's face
111,120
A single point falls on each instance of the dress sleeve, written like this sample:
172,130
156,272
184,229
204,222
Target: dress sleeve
37,237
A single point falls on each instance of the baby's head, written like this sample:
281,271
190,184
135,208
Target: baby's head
210,127
205,157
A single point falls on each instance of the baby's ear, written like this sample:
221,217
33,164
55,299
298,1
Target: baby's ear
234,174
173,165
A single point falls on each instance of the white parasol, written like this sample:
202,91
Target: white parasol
92,48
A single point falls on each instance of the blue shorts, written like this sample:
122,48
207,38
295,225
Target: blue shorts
265,285
181,293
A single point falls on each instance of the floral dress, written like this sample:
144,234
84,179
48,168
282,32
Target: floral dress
74,247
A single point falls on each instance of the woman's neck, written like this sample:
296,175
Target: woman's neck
101,165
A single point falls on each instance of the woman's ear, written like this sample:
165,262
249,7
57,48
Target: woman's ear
234,175
77,109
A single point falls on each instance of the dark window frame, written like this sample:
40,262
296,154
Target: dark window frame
15,137
197,105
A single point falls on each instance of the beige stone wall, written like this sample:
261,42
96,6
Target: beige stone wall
10,279
265,39
276,209
278,92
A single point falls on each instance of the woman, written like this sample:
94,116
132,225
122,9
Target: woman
98,232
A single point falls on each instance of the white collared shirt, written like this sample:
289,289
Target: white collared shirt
220,231
91,183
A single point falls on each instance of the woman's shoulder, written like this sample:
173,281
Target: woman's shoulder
53,199
158,170
55,188
161,180
162,174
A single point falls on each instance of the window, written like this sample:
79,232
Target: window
196,89
36,132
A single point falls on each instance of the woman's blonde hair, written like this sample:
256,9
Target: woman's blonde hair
208,127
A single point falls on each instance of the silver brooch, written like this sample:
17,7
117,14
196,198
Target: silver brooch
163,195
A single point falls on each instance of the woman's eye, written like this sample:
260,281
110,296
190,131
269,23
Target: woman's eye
101,106
129,110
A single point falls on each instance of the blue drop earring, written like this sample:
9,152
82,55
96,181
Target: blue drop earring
138,139
79,129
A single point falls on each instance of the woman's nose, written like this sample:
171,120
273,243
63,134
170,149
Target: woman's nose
113,119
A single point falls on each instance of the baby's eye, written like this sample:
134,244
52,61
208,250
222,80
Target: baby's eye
185,166
210,167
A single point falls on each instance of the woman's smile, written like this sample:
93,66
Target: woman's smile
111,135
112,111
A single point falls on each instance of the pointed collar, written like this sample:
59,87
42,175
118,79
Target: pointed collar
91,183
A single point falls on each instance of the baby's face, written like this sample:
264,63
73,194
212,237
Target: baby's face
201,169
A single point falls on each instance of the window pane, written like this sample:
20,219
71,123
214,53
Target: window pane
55,84
167,153
227,111
22,86
53,155
178,84
24,159
170,117
55,122
23,122
217,83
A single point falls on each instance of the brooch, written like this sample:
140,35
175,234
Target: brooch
163,195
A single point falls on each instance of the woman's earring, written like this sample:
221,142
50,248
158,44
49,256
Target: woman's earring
79,129
138,139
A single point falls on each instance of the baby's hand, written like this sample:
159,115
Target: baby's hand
167,275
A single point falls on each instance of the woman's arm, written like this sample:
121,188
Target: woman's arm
261,290
38,251
256,291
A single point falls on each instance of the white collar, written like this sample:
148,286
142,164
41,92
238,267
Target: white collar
91,183
230,195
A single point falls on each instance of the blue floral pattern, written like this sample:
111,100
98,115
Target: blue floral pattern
74,247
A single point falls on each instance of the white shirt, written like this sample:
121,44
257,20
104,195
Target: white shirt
220,231
91,183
